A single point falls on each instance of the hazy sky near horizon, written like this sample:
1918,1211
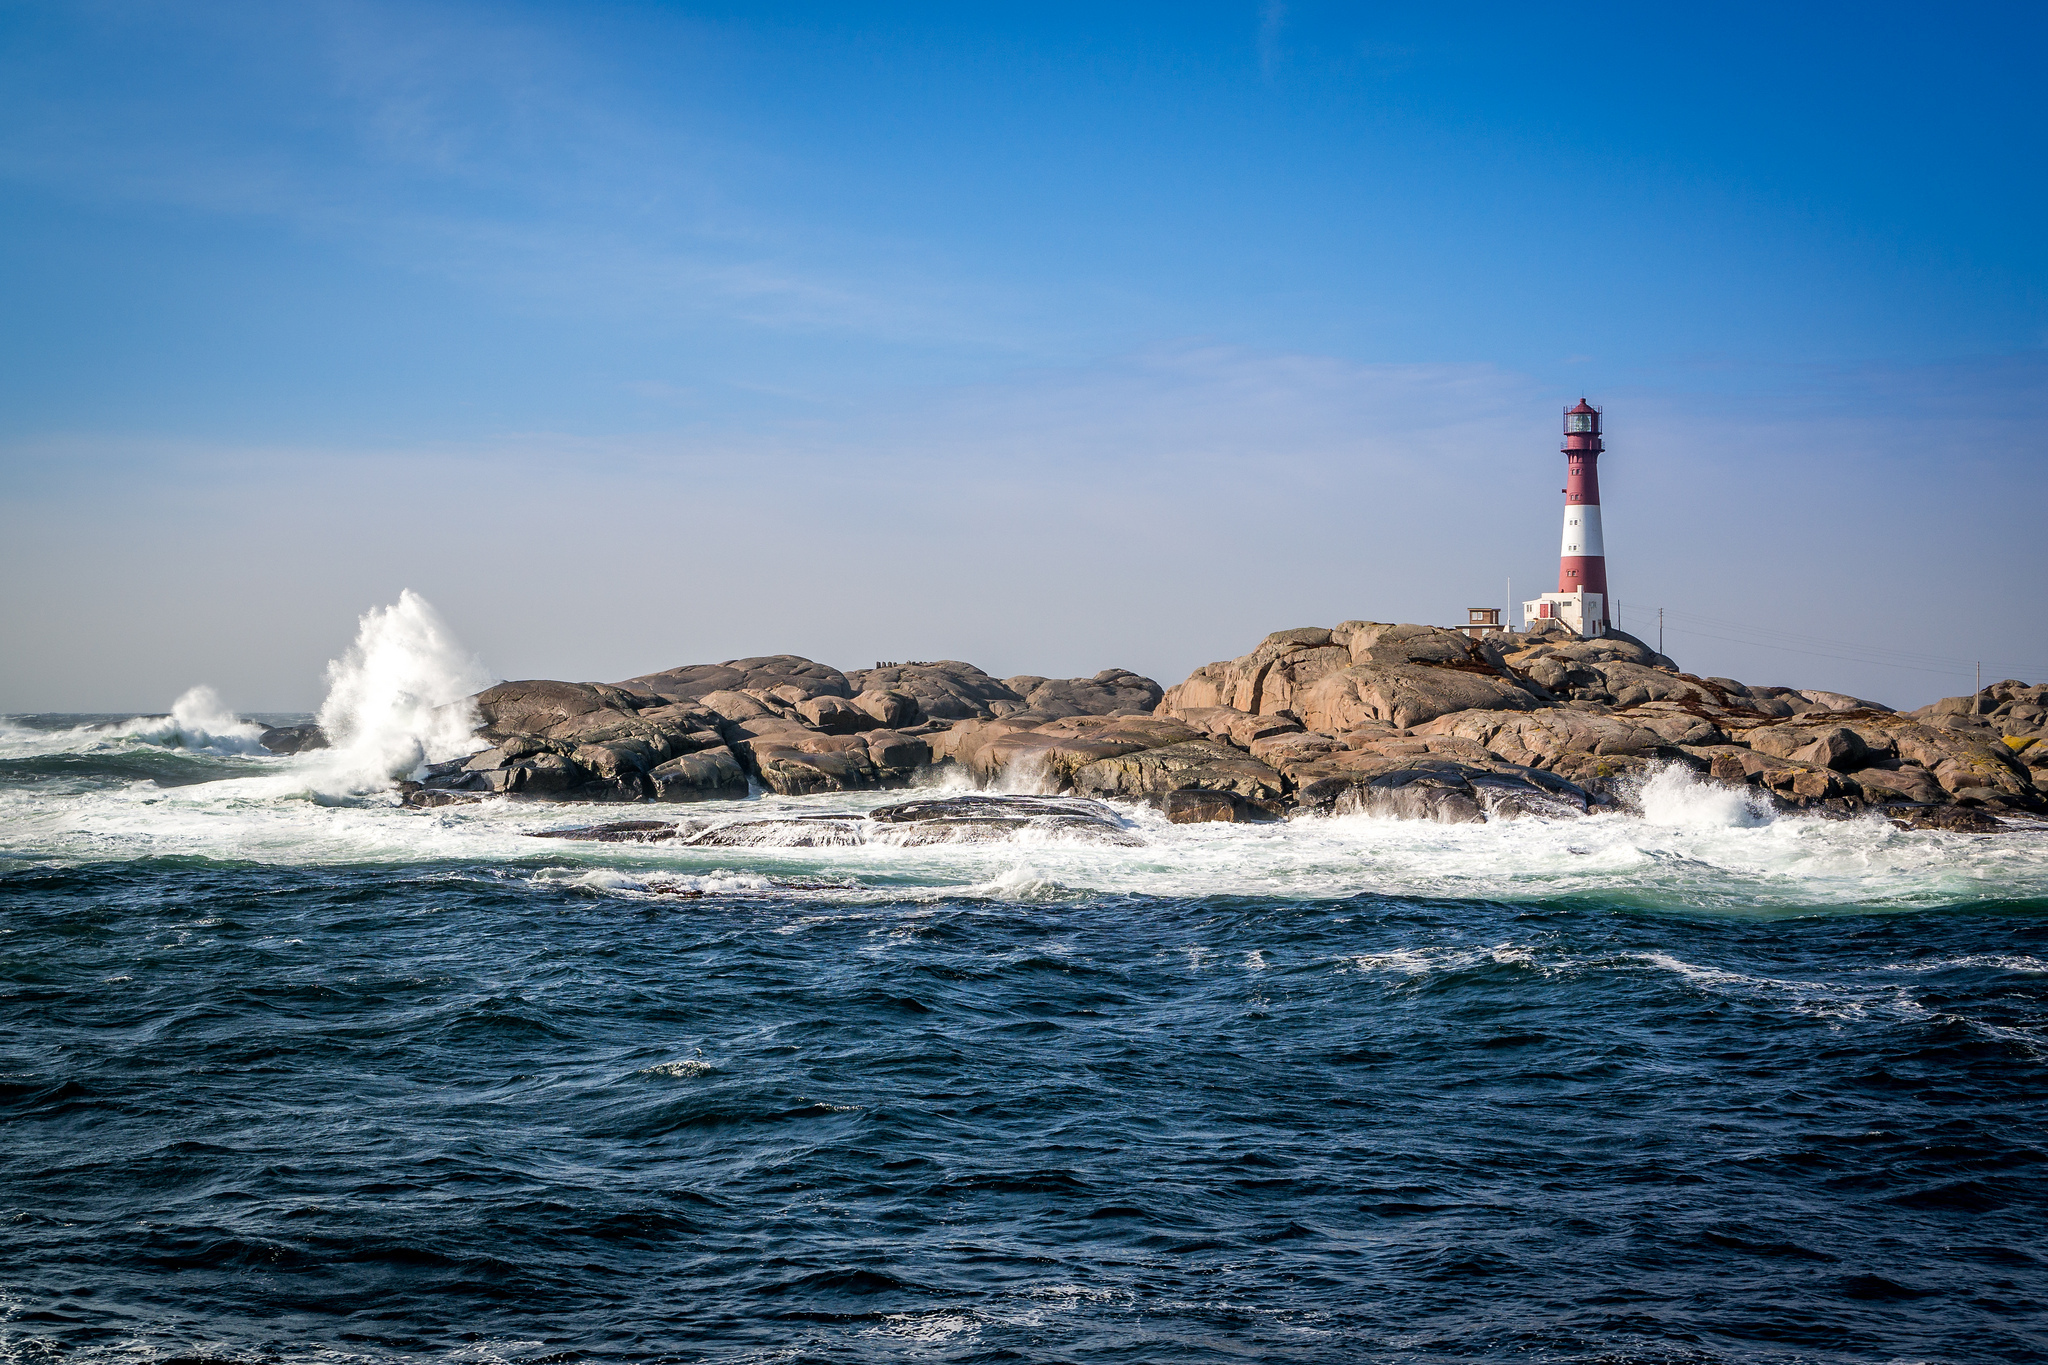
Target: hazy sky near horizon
1052,337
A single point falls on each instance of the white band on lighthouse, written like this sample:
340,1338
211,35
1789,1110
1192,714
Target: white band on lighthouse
1582,531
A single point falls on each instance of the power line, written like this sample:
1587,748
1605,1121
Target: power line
1803,639
1866,656
1799,639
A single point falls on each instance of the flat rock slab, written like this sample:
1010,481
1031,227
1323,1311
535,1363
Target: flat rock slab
1954,819
992,807
622,832
908,824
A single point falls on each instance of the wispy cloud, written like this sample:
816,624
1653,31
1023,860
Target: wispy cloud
465,143
1272,18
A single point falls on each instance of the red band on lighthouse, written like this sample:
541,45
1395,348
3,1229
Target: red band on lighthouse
1582,560
1581,597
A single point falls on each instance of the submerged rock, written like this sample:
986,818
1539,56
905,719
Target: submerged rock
943,820
792,831
992,807
619,832
293,739
982,819
1953,819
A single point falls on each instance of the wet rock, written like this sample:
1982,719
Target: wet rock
1609,779
973,819
544,775
791,770
607,790
426,798
1952,819
1200,807
1453,786
707,775
616,832
621,758
794,831
1004,806
293,739
981,831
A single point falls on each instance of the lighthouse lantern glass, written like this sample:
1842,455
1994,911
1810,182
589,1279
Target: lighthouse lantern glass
1581,421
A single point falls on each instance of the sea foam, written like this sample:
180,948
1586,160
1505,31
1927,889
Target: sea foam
397,701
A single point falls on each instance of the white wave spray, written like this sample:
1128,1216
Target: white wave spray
199,721
398,700
1672,796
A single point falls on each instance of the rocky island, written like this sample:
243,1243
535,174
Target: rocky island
1401,720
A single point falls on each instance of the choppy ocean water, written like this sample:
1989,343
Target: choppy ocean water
291,1074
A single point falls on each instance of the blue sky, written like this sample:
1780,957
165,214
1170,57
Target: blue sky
1044,336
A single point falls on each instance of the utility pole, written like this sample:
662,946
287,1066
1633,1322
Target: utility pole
1980,677
1660,630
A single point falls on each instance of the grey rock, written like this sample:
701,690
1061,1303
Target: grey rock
616,832
426,798
979,819
1004,806
1199,807
706,775
694,682
896,753
1203,764
621,758
796,831
293,739
893,710
835,715
546,775
631,788
536,705
1114,691
945,690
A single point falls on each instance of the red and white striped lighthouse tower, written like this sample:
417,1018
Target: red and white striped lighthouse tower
1581,597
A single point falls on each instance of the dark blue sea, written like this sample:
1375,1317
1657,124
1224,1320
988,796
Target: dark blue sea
289,1073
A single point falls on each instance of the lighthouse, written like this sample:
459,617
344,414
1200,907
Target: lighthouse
1580,601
